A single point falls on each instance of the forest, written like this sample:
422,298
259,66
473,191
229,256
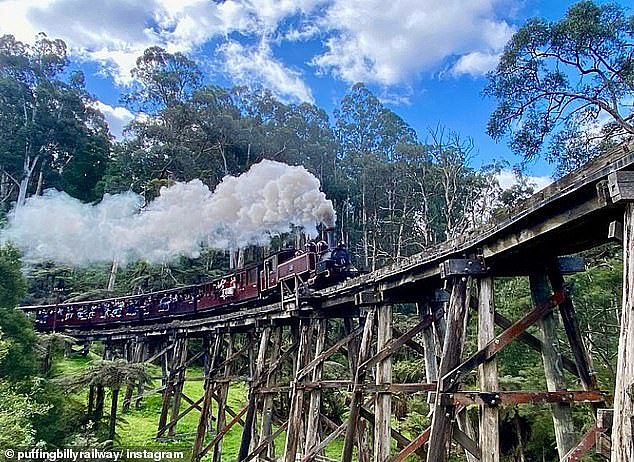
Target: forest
396,192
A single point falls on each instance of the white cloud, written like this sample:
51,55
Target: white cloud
246,64
115,32
389,43
475,64
117,117
507,179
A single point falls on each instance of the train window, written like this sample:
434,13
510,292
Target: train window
253,275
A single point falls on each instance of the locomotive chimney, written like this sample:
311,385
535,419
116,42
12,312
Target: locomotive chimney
330,237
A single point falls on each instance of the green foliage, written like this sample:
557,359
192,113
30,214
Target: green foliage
49,124
12,283
109,374
555,80
17,413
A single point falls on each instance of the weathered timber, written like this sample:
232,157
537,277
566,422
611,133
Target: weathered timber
583,360
623,425
223,392
494,346
319,359
439,443
220,435
615,231
429,350
383,399
588,441
357,394
393,344
621,186
267,400
247,431
135,356
487,374
535,343
171,384
467,443
192,405
295,420
412,447
401,440
179,378
325,442
555,379
212,353
462,267
266,443
352,348
312,425
511,398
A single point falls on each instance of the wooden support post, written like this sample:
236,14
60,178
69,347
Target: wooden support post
295,420
623,425
205,413
165,360
140,388
361,438
383,400
555,379
169,381
136,356
312,426
267,402
357,394
580,353
440,438
247,432
487,374
180,361
223,392
429,345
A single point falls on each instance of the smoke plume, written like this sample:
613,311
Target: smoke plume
242,210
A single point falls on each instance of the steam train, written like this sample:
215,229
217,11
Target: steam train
318,265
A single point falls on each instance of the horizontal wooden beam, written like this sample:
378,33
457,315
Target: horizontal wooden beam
621,186
398,388
462,267
505,398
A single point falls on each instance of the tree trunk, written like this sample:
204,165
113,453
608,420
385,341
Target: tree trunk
623,426
27,173
40,182
91,400
113,275
100,397
112,427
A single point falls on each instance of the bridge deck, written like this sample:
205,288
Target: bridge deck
566,217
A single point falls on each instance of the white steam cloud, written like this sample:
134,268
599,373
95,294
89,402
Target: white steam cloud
186,216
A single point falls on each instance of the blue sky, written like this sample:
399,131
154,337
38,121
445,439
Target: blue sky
426,59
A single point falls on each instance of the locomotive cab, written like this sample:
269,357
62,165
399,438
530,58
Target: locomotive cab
335,264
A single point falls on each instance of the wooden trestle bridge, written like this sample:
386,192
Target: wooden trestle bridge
447,283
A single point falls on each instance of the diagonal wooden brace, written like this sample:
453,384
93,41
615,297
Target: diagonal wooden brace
453,378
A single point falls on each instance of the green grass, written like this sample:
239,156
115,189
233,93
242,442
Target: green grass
137,428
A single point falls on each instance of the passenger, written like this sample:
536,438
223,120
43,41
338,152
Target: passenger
322,246
164,304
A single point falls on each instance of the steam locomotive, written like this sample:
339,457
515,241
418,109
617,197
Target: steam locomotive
318,265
